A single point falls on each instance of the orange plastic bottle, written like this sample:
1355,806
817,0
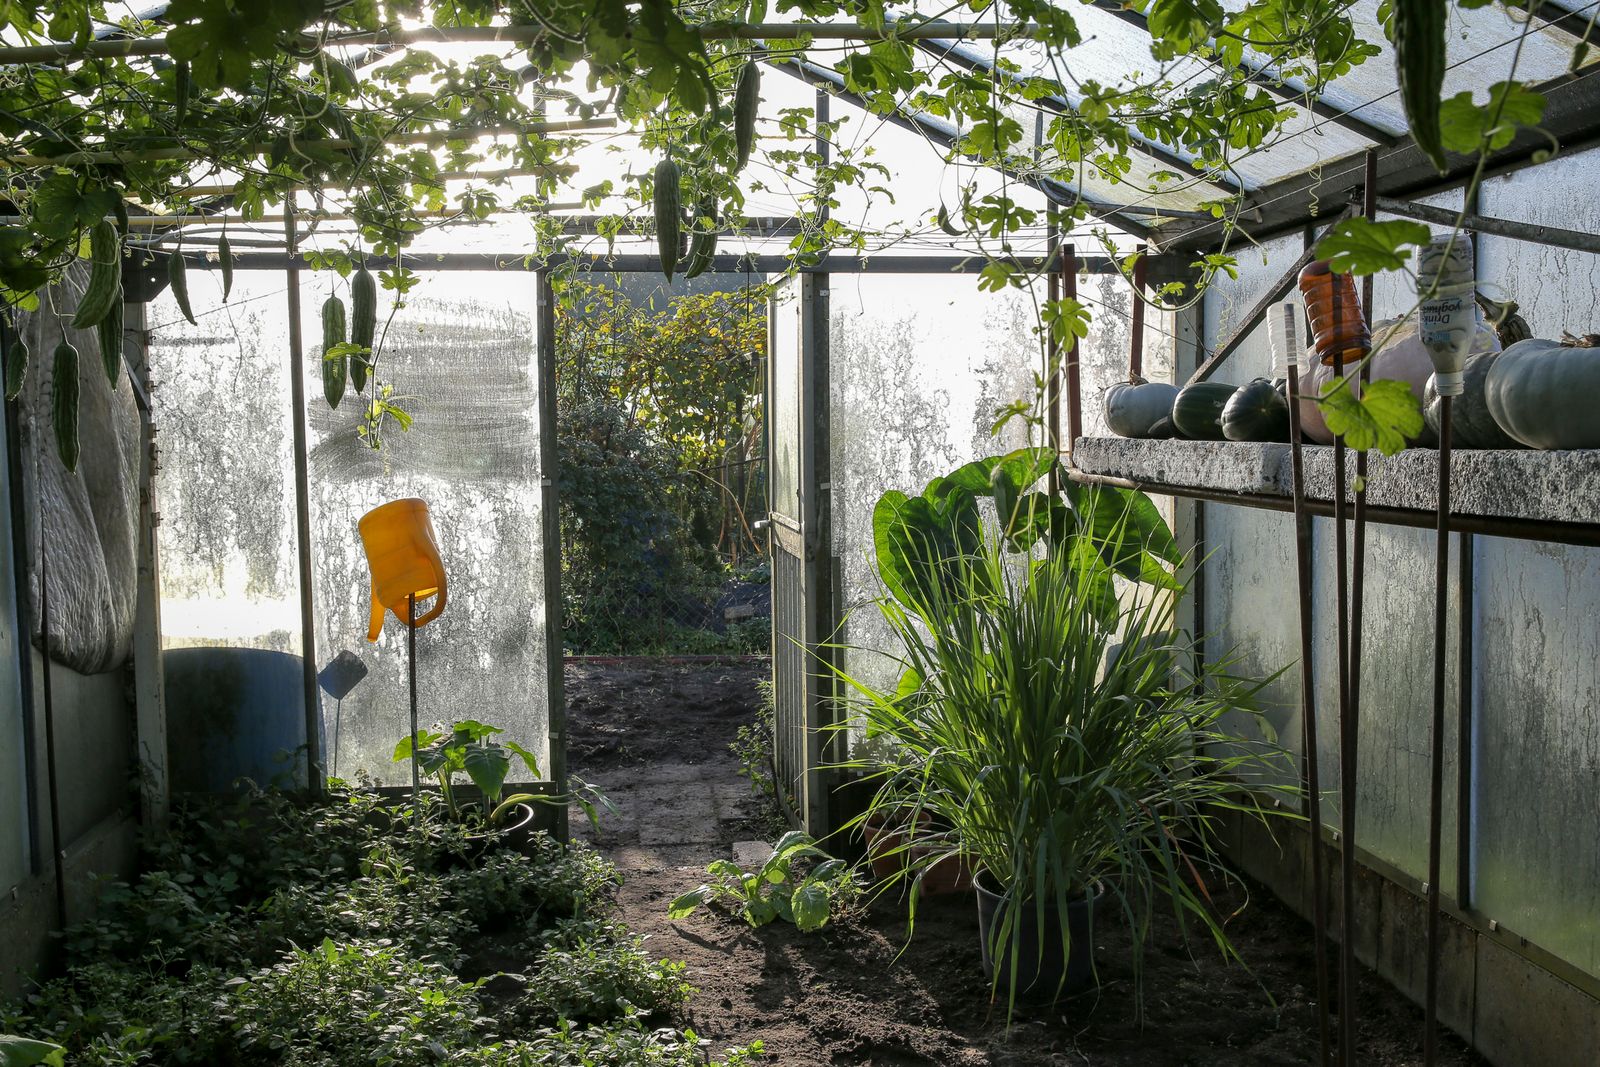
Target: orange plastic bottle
404,558
1338,329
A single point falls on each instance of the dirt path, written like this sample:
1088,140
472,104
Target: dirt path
656,739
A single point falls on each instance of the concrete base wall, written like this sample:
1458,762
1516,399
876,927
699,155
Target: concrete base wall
1509,1007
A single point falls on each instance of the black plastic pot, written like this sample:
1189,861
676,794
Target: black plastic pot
1041,970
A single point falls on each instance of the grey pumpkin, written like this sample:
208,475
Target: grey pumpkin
1471,424
1542,393
1133,408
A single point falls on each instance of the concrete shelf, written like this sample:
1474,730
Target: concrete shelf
1492,484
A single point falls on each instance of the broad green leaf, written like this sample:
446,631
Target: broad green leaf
1362,246
1469,126
487,766
529,760
811,902
685,905
25,1052
1383,418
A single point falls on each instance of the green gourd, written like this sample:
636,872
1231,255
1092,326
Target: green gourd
1256,412
105,276
333,369
1542,392
703,241
1132,408
64,403
669,221
363,324
746,102
178,278
1419,59
1197,411
16,368
108,331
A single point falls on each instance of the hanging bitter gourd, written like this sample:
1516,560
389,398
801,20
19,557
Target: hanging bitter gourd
746,102
109,333
669,221
363,324
16,368
105,276
225,261
333,366
1419,56
178,278
64,403
703,240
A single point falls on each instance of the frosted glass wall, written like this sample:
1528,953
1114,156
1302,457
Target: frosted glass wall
919,367
461,359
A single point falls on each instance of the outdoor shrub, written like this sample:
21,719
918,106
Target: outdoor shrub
363,1002
630,1045
593,972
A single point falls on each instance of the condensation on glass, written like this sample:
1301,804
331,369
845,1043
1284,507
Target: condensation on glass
919,367
460,358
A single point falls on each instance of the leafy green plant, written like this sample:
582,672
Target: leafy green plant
776,890
18,1051
469,748
1063,733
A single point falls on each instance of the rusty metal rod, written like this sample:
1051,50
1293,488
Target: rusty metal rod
1552,236
1441,597
302,513
1310,776
1136,327
1069,291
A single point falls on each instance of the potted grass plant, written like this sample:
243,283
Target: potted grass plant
1053,719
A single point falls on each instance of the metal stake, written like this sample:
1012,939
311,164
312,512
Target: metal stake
302,510
411,672
1308,714
1430,1036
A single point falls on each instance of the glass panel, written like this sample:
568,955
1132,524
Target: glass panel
15,817
1537,750
919,367
230,602
785,429
461,358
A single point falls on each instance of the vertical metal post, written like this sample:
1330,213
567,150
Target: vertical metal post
1310,776
1441,596
411,679
1052,354
550,521
1136,328
302,508
148,674
57,856
20,590
1464,720
1069,291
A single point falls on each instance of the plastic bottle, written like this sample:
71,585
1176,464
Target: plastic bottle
1338,328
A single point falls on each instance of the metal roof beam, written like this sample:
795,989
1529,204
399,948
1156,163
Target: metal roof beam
1572,117
1122,214
1260,74
968,60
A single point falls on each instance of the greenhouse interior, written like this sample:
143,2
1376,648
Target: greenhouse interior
650,532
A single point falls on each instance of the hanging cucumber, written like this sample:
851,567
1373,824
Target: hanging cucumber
703,243
180,92
64,403
669,221
363,324
746,102
333,367
16,368
105,276
109,333
1419,55
225,261
178,278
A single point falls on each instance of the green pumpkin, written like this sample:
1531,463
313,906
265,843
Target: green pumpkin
1197,413
1256,412
1134,407
1471,424
1542,393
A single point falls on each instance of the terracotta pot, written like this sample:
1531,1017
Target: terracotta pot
886,838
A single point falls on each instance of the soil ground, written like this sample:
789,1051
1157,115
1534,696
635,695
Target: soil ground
655,738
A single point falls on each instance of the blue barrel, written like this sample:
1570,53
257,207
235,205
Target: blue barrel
234,713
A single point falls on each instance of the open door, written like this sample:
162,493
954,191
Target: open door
798,521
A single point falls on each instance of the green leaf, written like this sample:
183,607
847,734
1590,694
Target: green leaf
1469,126
1362,246
685,905
487,766
25,1052
811,902
529,760
1384,417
